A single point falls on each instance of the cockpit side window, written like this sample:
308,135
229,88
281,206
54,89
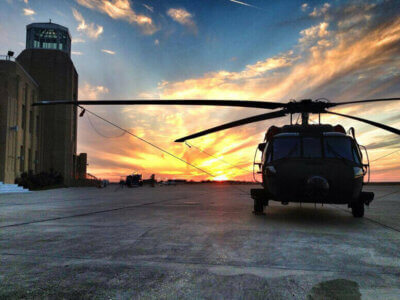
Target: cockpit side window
356,155
268,152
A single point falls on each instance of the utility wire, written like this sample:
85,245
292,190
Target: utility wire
220,159
398,150
388,194
149,143
99,133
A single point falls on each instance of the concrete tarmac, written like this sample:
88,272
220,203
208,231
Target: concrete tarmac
195,241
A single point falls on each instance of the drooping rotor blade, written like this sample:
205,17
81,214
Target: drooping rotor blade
237,103
362,101
258,118
382,126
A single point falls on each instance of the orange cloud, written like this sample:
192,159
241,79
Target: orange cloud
121,9
330,60
28,12
91,30
91,92
183,17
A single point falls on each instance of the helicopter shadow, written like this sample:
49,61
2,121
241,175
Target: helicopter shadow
326,216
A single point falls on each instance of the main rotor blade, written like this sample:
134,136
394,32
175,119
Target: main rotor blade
382,126
362,101
237,103
258,118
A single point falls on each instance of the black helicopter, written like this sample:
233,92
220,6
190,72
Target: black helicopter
300,163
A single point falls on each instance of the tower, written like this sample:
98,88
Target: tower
47,59
48,36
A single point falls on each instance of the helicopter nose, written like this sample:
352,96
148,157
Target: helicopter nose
317,188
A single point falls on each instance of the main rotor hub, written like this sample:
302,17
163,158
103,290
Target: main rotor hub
307,106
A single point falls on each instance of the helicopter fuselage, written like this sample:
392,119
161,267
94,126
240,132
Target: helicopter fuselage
311,164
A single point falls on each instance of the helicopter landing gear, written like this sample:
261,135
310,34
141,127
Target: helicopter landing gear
260,200
258,207
357,209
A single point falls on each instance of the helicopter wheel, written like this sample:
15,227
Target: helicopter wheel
357,209
258,207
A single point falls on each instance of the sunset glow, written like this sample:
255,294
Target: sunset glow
220,178
272,51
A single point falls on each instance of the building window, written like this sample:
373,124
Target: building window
36,161
26,94
30,159
49,38
31,121
21,159
23,125
23,116
17,88
37,126
33,97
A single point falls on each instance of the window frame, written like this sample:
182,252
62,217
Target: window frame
270,149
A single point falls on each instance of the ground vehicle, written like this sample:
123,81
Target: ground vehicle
322,179
134,180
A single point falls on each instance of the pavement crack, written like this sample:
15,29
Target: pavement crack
369,219
92,213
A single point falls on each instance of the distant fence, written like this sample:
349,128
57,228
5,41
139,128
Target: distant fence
90,180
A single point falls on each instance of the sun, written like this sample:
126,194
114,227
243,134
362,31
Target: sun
220,178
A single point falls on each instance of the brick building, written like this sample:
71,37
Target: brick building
19,121
46,70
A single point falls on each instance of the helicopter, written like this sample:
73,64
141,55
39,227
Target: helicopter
301,163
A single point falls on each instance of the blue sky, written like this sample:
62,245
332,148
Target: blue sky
225,49
229,36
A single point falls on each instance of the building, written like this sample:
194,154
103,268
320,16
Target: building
19,121
45,66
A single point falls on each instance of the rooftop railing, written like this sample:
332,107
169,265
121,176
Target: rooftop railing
7,57
12,58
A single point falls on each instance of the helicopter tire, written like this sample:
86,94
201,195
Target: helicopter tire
258,207
357,209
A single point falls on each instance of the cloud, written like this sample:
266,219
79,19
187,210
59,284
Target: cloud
92,92
331,58
77,53
313,33
121,9
91,30
320,11
385,142
183,17
358,61
28,12
304,6
77,40
331,66
108,51
224,84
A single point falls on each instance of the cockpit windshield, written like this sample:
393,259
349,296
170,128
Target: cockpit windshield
286,147
339,147
313,147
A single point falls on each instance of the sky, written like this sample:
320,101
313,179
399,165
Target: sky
219,49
